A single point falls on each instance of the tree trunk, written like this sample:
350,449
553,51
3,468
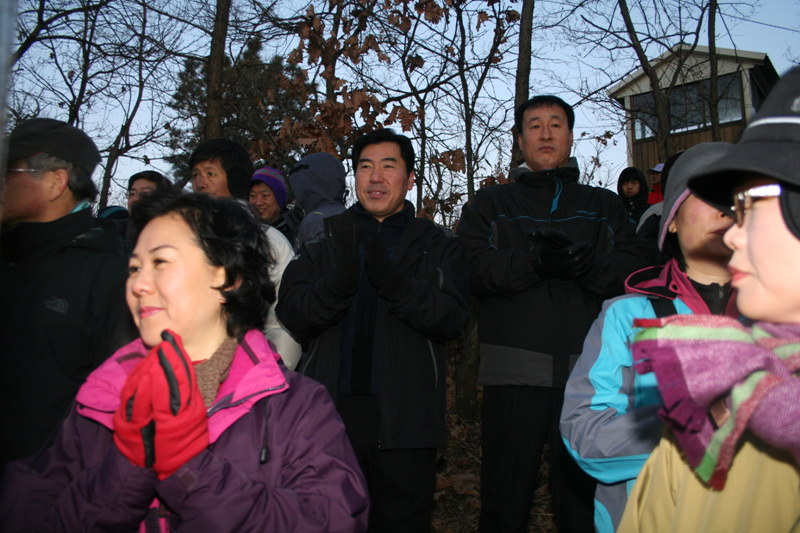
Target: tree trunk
216,63
467,406
419,176
661,104
713,98
465,99
521,91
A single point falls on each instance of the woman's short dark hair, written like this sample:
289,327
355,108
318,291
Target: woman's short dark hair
672,249
231,237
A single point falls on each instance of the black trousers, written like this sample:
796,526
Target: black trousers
517,422
401,482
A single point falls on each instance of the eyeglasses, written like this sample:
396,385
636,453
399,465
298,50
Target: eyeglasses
10,170
743,200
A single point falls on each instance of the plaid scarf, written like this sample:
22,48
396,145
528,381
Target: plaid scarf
718,378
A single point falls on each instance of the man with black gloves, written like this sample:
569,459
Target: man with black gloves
544,252
377,297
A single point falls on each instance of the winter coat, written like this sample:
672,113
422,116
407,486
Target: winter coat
635,205
531,330
282,253
62,312
319,193
762,493
609,421
656,195
309,480
410,330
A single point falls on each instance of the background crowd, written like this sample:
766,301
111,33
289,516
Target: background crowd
228,360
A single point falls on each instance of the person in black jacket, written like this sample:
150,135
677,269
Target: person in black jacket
62,282
632,188
377,297
544,252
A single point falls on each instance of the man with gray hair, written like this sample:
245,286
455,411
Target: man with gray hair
62,282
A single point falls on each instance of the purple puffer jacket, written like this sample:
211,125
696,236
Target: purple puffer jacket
309,481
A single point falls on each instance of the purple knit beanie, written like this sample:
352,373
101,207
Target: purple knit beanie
274,180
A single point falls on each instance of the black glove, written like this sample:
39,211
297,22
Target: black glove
556,256
381,271
341,238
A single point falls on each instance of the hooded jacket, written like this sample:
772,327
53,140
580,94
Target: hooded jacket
609,421
308,481
531,330
319,189
62,312
430,309
637,204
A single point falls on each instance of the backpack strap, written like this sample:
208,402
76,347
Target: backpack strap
662,306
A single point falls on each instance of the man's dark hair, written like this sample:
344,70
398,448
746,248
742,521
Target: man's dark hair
545,100
231,237
386,135
233,158
631,174
80,182
156,178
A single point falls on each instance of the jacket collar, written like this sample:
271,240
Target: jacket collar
254,374
669,281
567,174
29,240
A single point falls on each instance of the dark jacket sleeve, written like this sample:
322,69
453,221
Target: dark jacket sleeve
618,254
306,305
493,271
81,483
437,307
311,482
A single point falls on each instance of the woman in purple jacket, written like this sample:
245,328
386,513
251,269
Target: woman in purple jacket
195,426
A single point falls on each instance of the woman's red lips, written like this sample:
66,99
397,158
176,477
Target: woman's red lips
736,274
146,311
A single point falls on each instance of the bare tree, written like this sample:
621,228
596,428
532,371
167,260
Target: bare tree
97,69
523,77
636,32
216,62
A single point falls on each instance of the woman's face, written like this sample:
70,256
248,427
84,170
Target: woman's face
172,285
765,262
700,230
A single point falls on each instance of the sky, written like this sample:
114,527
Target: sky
775,30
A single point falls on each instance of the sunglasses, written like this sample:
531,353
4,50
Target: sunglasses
743,200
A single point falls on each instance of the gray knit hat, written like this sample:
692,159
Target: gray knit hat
689,164
769,146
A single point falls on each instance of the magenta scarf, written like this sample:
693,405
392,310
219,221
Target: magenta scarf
718,378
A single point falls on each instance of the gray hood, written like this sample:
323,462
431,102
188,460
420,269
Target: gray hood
318,180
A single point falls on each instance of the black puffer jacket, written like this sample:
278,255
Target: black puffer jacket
531,330
431,308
